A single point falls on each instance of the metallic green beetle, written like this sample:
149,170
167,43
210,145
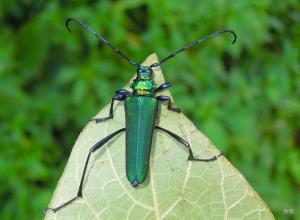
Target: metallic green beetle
141,106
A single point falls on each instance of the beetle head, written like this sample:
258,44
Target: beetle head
144,72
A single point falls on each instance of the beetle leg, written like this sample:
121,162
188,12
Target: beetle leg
186,144
98,145
123,92
163,86
164,98
119,97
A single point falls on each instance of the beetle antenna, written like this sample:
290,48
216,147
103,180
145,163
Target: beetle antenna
102,39
195,43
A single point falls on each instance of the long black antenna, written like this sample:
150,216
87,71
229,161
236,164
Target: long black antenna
102,39
195,43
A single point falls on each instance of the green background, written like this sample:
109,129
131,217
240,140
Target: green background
244,97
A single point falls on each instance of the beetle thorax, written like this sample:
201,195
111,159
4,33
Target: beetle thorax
143,84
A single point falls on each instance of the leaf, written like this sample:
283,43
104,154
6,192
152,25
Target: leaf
175,188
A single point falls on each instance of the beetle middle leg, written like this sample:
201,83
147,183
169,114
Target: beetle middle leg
97,146
164,98
120,96
186,144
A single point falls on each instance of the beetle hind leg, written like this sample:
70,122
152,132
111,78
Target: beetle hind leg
98,145
186,144
192,158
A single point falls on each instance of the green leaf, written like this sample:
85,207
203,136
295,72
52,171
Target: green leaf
175,188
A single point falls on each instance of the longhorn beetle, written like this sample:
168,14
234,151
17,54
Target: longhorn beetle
141,106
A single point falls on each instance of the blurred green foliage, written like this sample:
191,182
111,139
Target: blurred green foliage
244,97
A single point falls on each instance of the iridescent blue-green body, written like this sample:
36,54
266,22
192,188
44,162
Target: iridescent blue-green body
140,116
140,113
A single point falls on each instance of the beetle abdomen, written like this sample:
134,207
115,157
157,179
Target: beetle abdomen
140,112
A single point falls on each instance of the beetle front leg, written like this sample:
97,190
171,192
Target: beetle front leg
118,97
164,98
186,144
162,87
